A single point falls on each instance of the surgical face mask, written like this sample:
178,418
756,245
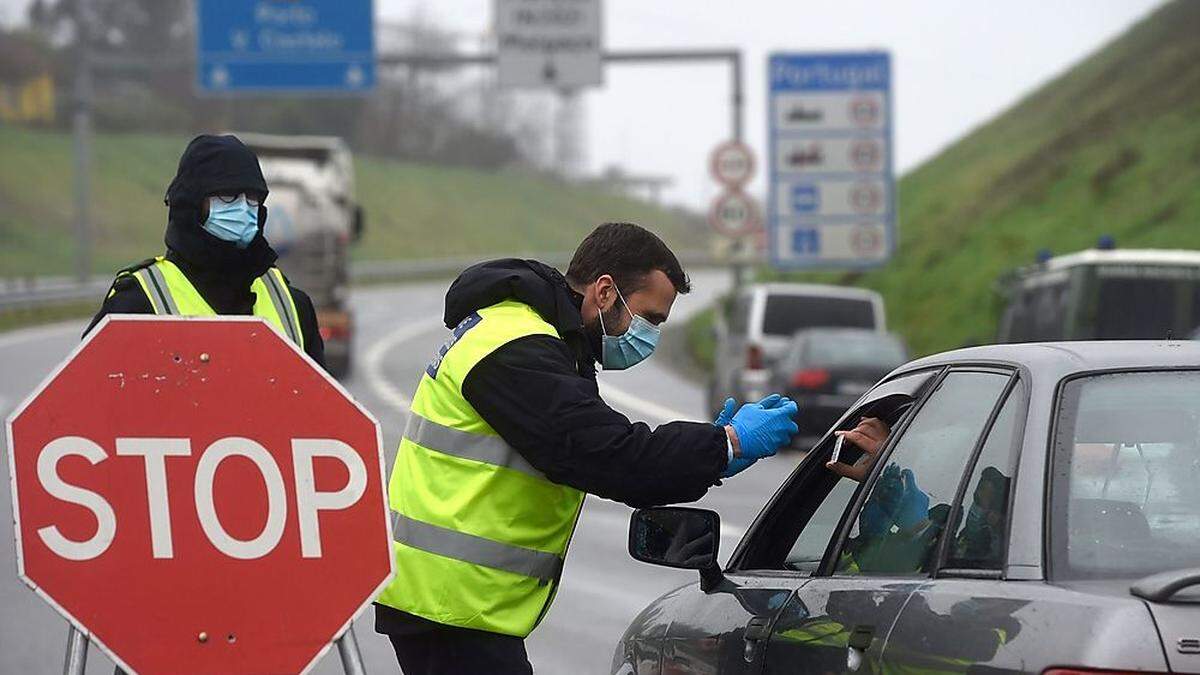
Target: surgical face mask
623,351
232,219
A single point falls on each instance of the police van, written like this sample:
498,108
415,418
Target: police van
1104,294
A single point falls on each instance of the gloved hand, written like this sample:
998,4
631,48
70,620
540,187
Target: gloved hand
726,415
762,430
913,506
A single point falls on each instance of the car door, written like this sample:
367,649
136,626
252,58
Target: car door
967,615
889,536
725,631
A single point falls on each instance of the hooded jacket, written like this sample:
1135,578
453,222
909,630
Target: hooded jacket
539,393
221,272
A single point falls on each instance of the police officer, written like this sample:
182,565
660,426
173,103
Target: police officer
217,260
508,432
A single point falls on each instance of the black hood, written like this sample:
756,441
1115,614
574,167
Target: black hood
536,284
212,165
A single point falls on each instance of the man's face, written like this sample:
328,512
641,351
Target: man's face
653,302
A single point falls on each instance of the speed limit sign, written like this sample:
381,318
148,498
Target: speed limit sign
734,214
732,164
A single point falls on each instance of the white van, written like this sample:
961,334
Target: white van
761,319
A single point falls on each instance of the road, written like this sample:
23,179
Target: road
399,329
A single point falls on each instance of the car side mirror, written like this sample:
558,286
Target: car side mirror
679,537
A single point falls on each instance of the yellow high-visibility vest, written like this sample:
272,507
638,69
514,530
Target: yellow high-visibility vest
480,535
170,293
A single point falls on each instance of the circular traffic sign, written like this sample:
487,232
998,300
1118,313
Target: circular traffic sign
734,214
182,483
732,164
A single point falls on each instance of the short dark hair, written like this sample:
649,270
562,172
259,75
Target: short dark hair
627,252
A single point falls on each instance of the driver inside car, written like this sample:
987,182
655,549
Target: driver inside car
896,525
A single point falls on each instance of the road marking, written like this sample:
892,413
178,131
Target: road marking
623,398
42,333
377,352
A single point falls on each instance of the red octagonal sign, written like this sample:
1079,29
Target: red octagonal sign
197,496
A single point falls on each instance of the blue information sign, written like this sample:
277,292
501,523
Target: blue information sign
831,192
285,46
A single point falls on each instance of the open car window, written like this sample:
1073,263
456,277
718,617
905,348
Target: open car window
914,486
797,527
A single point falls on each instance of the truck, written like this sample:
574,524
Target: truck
312,219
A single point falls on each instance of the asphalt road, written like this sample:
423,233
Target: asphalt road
399,329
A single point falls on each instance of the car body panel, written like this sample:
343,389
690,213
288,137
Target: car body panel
1014,619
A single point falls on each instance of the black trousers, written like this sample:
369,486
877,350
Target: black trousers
460,651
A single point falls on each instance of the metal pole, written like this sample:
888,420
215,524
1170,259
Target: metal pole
352,663
77,648
82,141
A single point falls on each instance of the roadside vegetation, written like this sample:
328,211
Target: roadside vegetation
1111,147
412,210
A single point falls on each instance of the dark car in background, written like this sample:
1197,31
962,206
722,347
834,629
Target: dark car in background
1033,510
825,370
758,322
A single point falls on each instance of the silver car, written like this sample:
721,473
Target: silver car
1032,509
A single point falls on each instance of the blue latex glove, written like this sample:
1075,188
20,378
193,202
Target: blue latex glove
738,465
726,415
914,504
761,431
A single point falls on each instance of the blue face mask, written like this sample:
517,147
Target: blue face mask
638,343
235,221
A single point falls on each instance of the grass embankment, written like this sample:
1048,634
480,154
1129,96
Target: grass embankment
413,211
1112,146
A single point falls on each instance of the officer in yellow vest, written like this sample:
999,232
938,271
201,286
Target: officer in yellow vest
508,432
217,260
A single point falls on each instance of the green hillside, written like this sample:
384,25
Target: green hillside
1110,147
413,211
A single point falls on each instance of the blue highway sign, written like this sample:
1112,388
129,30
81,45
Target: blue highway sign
832,191
285,46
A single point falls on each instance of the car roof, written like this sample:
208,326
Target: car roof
780,288
1060,359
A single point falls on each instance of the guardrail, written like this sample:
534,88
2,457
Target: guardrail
32,292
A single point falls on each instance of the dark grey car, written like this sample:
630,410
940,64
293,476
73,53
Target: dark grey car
1035,508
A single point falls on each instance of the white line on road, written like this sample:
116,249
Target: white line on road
623,398
42,333
373,362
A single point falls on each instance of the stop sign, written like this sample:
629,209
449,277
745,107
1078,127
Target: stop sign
197,496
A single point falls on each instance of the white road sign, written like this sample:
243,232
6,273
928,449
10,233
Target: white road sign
549,43
734,214
732,164
832,191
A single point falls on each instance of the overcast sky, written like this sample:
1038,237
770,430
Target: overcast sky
955,64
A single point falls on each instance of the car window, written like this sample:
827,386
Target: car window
1126,467
898,528
800,529
787,313
851,349
980,534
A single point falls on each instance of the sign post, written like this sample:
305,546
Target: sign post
180,484
832,195
314,46
549,43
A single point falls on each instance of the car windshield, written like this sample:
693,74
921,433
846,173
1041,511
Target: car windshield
1126,467
851,349
786,313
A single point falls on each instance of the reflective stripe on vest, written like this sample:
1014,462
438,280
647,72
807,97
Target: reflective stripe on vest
170,293
478,447
542,566
480,534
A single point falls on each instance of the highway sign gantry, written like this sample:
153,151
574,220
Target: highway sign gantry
316,46
549,43
831,193
197,496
